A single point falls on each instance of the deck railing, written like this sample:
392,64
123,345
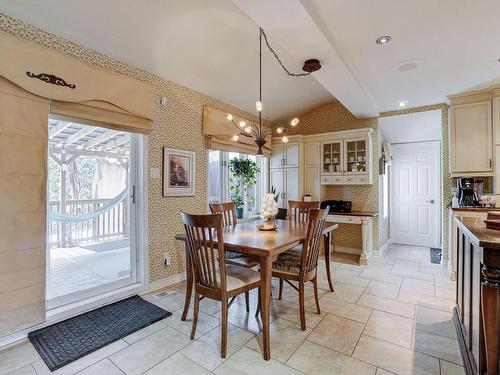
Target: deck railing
110,225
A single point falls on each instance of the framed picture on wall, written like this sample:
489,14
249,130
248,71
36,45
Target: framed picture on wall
178,172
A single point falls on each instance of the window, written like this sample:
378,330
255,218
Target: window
219,179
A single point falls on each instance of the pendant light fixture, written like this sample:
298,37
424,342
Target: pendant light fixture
261,131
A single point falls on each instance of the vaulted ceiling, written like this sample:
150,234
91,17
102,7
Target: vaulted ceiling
212,46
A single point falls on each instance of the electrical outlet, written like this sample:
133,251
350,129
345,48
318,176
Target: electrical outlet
167,260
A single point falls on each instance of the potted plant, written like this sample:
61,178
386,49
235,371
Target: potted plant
281,211
243,177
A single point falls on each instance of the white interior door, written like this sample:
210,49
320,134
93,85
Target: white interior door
416,194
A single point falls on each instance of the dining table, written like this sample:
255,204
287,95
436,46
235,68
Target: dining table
264,247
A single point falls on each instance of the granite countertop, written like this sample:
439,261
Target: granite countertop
477,229
355,213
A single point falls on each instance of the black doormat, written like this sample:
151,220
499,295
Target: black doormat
71,339
436,255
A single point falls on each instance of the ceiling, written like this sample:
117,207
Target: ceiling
211,46
413,127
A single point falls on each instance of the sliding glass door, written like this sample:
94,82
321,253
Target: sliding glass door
91,237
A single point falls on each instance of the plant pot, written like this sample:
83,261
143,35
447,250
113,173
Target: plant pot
239,213
281,214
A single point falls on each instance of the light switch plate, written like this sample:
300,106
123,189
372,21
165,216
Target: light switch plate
154,172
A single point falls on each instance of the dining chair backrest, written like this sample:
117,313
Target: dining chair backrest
312,242
205,243
227,210
299,211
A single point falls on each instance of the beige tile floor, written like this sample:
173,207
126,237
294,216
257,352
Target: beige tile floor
392,316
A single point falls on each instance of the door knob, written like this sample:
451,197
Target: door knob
431,201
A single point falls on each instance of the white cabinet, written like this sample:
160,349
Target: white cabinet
285,155
312,170
286,181
286,172
332,162
471,139
347,159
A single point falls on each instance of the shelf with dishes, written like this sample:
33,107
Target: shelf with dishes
346,162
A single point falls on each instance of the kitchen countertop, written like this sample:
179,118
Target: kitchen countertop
476,228
476,209
356,213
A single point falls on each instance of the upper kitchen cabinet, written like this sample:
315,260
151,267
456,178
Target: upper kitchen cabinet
285,155
471,139
346,158
471,133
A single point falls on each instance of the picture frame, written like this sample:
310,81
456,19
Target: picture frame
178,173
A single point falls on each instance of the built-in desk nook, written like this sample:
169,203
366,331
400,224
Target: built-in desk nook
477,311
363,218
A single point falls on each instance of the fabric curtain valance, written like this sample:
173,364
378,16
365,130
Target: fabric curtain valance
218,132
101,115
76,88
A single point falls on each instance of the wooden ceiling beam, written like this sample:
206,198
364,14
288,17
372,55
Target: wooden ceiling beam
58,128
100,139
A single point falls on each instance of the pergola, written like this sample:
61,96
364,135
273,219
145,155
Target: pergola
75,221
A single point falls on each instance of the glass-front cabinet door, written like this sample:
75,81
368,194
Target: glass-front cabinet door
355,156
331,158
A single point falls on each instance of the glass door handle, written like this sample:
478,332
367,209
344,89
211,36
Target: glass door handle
431,201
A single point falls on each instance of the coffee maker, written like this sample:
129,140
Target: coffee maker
467,197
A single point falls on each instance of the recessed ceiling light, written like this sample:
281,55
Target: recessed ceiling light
403,104
383,40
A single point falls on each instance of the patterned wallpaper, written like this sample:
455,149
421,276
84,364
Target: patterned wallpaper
445,165
332,117
178,125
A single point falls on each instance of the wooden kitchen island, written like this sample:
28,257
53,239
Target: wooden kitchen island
477,311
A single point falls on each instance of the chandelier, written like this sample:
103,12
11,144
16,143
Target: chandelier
259,132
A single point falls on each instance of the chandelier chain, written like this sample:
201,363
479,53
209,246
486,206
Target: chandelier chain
279,60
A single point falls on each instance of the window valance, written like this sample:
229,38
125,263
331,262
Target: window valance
77,88
218,132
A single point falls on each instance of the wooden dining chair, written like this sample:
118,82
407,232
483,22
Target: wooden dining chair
301,267
228,212
299,210
213,278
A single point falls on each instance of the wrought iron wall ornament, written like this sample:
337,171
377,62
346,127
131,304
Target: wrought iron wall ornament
50,78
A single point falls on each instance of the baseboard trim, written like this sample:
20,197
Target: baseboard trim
163,283
347,250
381,251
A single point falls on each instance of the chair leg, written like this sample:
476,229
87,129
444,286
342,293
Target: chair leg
223,348
281,288
302,307
247,300
195,314
315,285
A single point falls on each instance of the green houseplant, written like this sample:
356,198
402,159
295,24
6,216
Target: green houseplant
243,177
